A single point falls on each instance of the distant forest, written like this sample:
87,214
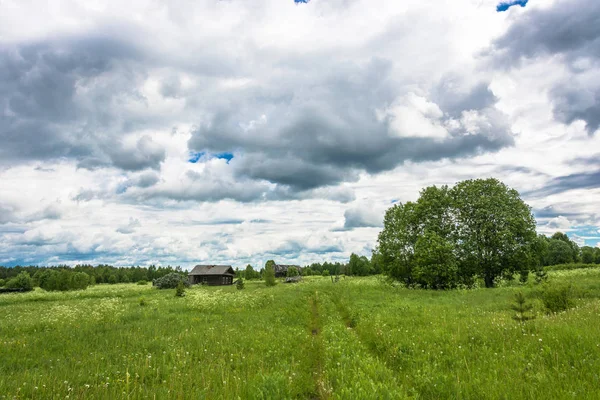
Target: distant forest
556,250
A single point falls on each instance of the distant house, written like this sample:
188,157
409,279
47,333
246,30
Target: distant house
213,275
281,269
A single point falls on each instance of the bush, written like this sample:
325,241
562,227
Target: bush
561,267
180,290
22,281
2,282
63,280
112,279
142,283
325,272
269,274
240,284
292,271
170,281
557,297
143,301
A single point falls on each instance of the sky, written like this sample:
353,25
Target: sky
233,131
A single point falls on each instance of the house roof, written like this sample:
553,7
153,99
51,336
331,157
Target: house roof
212,270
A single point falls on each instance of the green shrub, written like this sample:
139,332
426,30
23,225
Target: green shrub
180,290
561,267
170,281
143,301
557,297
22,281
112,279
240,284
325,272
142,283
292,271
269,274
63,280
2,282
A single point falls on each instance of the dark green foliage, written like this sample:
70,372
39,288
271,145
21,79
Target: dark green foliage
112,279
558,297
250,273
522,308
142,283
22,281
435,263
142,301
588,255
180,289
98,274
559,252
479,228
292,271
360,266
325,272
269,274
171,281
62,280
561,267
541,275
240,284
2,282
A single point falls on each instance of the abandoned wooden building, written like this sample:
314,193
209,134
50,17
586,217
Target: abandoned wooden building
213,275
281,269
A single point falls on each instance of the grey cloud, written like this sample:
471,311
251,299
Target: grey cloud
7,215
329,131
145,154
147,179
583,180
53,211
362,218
61,99
130,227
569,29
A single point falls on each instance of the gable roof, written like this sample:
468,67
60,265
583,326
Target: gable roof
212,270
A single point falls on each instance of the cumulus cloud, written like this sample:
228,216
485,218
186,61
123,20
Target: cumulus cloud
98,120
569,30
363,216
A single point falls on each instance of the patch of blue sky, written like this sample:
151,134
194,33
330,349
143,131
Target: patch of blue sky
505,5
301,1
195,157
588,235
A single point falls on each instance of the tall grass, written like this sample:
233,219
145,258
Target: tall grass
358,338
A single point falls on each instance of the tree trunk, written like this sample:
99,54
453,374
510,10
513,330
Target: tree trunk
489,281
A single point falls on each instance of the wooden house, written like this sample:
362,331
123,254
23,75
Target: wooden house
213,275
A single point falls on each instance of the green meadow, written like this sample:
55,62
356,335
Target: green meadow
359,338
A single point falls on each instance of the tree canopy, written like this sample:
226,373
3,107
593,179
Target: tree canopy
450,236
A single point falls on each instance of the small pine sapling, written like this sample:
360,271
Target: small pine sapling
180,290
522,309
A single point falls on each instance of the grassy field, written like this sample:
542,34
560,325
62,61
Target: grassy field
357,339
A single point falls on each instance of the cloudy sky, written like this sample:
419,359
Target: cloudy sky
236,131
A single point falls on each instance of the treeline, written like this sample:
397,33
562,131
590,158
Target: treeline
559,249
97,274
478,229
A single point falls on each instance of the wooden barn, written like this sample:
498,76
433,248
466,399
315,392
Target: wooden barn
281,270
213,275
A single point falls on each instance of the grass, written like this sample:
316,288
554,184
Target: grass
359,338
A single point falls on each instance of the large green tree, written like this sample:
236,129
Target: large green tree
478,228
495,229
